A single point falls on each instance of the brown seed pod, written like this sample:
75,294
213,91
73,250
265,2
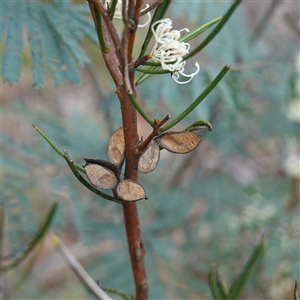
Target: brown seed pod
116,147
178,142
100,176
149,158
129,190
102,162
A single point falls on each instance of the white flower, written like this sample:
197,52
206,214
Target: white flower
118,11
168,51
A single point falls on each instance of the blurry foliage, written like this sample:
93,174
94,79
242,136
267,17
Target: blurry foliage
210,206
54,31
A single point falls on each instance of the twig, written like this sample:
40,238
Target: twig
113,62
124,49
79,270
131,218
141,60
111,59
133,23
136,249
156,127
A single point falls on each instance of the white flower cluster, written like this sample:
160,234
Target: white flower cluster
118,11
168,51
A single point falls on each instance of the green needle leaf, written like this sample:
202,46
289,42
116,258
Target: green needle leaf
158,15
116,292
60,152
240,282
112,9
191,35
40,235
216,30
140,109
141,78
26,273
74,169
217,287
151,71
198,100
102,42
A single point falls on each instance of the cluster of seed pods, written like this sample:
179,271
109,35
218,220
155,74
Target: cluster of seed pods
106,174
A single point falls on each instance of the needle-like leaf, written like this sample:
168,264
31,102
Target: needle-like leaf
240,282
198,100
35,241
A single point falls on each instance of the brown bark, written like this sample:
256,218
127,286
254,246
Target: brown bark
131,218
115,64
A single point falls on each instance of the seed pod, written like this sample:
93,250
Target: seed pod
116,147
102,162
149,158
178,142
129,190
100,176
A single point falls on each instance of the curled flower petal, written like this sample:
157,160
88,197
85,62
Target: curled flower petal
118,11
176,76
168,51
149,17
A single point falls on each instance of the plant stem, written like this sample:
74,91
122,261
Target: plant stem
115,65
131,218
156,128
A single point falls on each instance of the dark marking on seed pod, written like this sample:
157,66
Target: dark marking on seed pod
102,162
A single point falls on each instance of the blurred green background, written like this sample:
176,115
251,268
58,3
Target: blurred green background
209,206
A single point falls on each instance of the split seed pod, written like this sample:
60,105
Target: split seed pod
116,147
178,142
129,190
149,158
101,174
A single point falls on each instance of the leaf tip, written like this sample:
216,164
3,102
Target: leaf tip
55,240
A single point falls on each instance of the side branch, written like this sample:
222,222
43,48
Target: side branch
156,128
